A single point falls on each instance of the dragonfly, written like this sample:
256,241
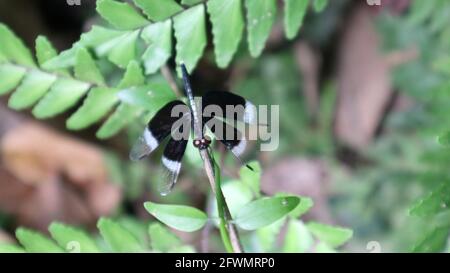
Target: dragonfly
176,120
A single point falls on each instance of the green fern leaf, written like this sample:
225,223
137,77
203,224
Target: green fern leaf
34,241
63,95
158,10
260,19
294,13
124,51
190,32
10,77
121,15
123,115
99,102
320,5
159,36
86,69
118,238
227,27
44,50
190,2
12,48
69,237
33,87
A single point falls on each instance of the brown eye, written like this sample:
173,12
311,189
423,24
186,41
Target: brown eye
196,143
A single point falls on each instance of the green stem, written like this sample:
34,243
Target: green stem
221,209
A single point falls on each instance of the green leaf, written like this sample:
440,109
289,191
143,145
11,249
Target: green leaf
294,13
179,217
63,95
158,10
120,15
190,32
227,28
444,139
123,49
236,194
98,103
264,211
13,48
102,40
331,235
118,238
320,5
421,11
434,241
159,36
86,69
135,226
34,241
133,76
182,249
435,202
64,60
10,77
297,239
252,178
123,115
68,237
150,97
190,2
33,87
10,248
161,239
267,236
322,247
304,206
260,19
44,50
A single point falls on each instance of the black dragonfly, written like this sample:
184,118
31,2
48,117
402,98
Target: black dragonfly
177,120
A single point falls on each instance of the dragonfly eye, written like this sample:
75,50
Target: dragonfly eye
197,143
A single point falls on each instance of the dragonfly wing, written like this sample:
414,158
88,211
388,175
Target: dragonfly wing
244,110
171,160
158,128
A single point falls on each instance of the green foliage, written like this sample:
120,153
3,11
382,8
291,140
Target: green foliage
119,236
260,18
265,211
138,40
227,28
72,239
331,235
33,241
295,11
183,218
140,33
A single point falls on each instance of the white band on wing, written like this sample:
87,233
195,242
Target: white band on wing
171,165
240,148
150,140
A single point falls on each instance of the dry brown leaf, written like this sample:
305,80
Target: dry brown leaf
364,87
47,176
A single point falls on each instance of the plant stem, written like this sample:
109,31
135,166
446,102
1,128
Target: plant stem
220,205
228,231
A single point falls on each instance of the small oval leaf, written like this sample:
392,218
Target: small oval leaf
264,211
179,217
